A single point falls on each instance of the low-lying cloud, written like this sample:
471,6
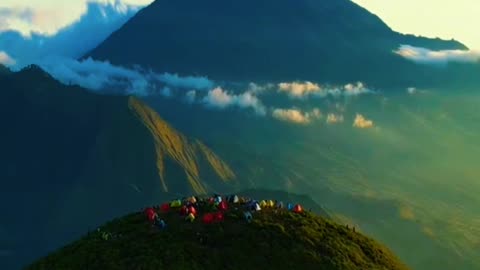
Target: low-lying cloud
6,60
302,90
98,21
441,58
333,118
361,122
220,98
296,116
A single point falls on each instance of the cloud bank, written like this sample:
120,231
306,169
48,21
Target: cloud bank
296,116
333,118
73,41
441,58
47,17
302,90
5,59
361,122
219,98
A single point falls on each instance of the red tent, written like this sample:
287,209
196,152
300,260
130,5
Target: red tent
208,218
223,206
184,211
192,210
219,217
151,214
298,208
165,207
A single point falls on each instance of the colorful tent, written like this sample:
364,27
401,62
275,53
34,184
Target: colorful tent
208,218
192,200
263,203
151,214
298,208
280,205
176,204
248,216
270,203
289,206
164,208
190,217
233,199
184,210
192,210
161,224
223,206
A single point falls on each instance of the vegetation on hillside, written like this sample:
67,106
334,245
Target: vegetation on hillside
275,238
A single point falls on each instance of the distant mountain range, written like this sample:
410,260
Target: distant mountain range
71,158
329,41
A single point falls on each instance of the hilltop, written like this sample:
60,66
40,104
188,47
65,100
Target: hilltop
274,238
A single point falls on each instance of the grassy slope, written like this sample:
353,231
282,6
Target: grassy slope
276,239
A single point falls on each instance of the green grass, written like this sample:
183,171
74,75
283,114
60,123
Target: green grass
275,239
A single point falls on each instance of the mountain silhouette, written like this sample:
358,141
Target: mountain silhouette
331,41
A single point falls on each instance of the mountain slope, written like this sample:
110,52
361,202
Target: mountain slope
76,155
275,239
332,41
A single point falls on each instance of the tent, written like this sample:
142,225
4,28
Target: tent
233,199
164,208
218,199
270,203
176,203
298,208
192,210
248,216
192,200
253,206
280,205
263,203
289,206
223,206
190,217
161,224
151,214
184,211
208,218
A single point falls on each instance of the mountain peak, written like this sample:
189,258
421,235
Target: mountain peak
241,234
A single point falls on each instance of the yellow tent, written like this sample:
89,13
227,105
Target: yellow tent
176,203
263,204
190,217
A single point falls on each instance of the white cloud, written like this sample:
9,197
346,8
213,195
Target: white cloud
299,89
334,118
426,56
296,116
174,80
6,60
302,90
47,17
219,98
361,122
74,40
411,90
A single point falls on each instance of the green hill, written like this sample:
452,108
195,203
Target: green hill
274,239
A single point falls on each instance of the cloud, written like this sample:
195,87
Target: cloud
190,96
296,116
299,90
441,58
334,118
185,82
361,122
6,60
47,17
302,90
74,40
411,90
221,99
